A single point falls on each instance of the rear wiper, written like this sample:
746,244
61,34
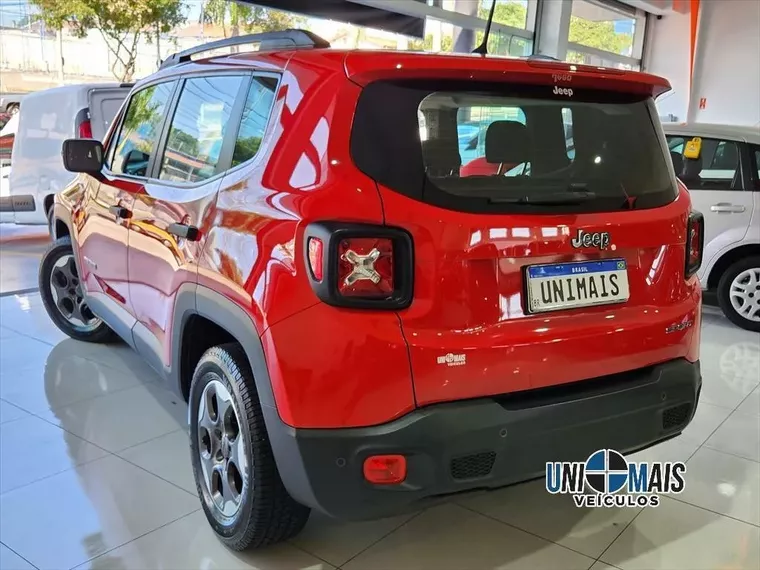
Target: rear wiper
554,199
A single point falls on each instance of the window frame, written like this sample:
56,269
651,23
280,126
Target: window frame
744,177
230,137
225,156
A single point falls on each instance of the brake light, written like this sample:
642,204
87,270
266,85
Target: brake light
316,258
385,469
365,267
360,265
85,129
695,239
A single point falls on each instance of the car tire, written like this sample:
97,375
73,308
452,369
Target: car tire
254,509
739,293
51,223
12,109
62,296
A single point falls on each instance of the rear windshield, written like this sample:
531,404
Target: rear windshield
493,147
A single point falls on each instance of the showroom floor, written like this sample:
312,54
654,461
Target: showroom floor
95,473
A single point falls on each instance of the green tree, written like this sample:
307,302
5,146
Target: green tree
252,19
600,35
507,13
121,23
447,43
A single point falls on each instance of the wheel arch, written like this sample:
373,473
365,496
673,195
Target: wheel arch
727,259
198,308
60,221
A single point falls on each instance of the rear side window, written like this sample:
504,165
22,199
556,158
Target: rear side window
258,106
138,136
717,167
486,147
197,130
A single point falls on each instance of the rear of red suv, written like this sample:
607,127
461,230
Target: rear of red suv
529,296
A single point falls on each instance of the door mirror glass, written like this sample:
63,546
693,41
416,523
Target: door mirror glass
82,155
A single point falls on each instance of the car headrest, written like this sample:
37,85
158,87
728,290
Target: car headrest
677,162
692,168
507,142
441,157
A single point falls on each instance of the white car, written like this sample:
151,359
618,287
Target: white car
724,183
46,119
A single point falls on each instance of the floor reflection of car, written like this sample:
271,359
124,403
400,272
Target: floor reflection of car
723,177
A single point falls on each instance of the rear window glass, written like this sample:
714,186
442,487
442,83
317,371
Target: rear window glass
487,147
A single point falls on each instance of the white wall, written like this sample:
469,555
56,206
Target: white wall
726,63
668,55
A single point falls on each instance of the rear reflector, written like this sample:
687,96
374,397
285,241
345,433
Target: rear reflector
365,267
695,239
385,469
316,258
85,130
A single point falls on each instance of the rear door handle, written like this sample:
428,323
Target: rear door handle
725,207
120,211
185,231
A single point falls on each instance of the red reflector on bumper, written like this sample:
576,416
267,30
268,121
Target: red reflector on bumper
385,469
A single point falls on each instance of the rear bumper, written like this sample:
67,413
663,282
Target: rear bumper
484,443
23,203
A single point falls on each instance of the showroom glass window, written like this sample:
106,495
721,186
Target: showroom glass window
258,106
138,135
197,130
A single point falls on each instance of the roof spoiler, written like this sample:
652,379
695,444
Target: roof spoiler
266,40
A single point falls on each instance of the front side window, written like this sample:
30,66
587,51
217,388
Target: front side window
139,132
194,146
755,151
258,106
716,168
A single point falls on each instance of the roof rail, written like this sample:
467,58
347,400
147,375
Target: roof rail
266,40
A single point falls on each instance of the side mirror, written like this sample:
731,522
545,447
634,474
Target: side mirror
82,155
136,163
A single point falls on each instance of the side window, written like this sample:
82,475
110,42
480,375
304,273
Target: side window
720,161
139,131
755,152
253,123
194,145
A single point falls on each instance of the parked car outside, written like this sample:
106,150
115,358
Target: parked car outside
724,183
356,328
48,118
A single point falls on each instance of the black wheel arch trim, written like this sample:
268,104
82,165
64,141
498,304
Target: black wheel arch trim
193,299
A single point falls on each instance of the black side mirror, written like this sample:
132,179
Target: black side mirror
82,155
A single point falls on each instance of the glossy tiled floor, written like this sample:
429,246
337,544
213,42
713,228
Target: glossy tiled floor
94,473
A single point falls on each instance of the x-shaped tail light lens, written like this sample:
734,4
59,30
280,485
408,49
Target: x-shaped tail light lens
365,267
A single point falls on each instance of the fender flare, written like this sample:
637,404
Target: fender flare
193,299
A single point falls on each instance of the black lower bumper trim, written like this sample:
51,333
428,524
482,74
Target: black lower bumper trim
23,203
485,443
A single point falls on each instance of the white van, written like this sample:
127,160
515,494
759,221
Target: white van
47,118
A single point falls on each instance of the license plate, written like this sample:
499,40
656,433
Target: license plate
579,284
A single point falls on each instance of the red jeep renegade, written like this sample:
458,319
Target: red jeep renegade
382,278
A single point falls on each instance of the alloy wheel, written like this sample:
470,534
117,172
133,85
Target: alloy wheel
221,448
66,290
744,294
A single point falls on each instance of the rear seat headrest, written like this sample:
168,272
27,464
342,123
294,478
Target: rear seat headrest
507,142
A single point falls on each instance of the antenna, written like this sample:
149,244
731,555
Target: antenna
482,49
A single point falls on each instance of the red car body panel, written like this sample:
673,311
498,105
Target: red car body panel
334,367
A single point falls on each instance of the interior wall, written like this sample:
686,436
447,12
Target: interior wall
667,54
726,63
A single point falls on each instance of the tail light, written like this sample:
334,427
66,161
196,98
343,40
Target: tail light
695,240
85,129
360,266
